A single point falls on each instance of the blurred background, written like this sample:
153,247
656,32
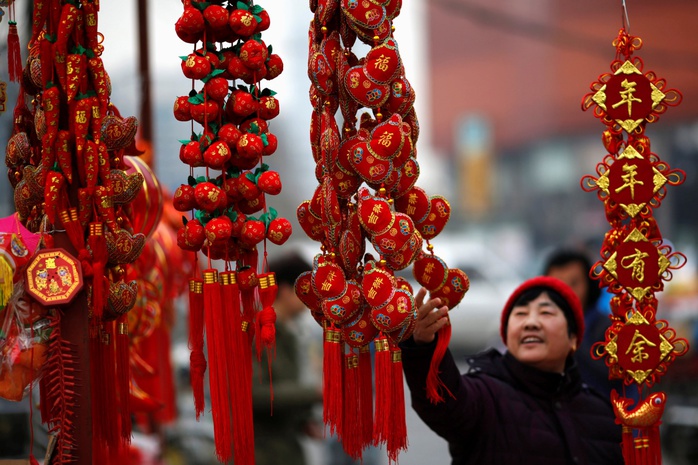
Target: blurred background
499,86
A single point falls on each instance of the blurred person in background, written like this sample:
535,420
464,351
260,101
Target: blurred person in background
279,425
572,267
525,406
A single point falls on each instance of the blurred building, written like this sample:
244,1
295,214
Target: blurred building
506,84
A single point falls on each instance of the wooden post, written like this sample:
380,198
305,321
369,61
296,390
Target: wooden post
145,118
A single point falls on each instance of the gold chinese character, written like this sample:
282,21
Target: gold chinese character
385,139
637,265
327,284
638,346
629,178
382,62
627,96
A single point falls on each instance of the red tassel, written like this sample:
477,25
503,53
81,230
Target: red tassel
168,413
14,53
123,377
434,384
643,449
655,446
197,359
217,375
106,437
381,417
247,283
71,224
332,380
352,434
266,335
397,433
267,317
100,256
241,370
366,394
265,325
628,446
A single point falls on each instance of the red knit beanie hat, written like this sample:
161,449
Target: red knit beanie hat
554,284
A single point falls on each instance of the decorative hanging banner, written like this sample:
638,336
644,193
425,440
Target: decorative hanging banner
371,221
635,261
226,209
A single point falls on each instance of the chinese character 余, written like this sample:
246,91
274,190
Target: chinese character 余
638,347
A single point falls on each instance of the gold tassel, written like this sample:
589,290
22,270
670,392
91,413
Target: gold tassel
7,273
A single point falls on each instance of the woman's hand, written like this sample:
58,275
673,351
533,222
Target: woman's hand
431,317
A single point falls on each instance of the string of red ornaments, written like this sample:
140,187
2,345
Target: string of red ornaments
226,199
367,194
635,261
71,167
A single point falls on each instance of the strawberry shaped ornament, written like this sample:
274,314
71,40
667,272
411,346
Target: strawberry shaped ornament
228,114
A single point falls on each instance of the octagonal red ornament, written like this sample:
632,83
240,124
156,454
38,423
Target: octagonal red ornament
54,277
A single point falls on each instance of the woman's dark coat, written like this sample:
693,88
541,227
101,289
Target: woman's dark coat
505,412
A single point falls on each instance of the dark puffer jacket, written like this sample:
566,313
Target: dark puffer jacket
505,412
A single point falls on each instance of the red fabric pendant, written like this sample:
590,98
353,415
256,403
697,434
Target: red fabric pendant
240,369
384,377
218,377
14,53
197,359
435,386
366,394
352,428
332,380
397,433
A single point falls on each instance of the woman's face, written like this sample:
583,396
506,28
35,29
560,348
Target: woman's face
537,335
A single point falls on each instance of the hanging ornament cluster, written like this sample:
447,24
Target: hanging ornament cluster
367,194
163,270
635,261
14,52
226,197
70,165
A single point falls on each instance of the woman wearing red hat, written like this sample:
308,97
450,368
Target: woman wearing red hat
526,406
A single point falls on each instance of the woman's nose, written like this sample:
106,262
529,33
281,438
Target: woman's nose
531,320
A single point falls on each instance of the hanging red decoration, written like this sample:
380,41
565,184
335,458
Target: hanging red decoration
227,202
635,260
366,197
67,167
